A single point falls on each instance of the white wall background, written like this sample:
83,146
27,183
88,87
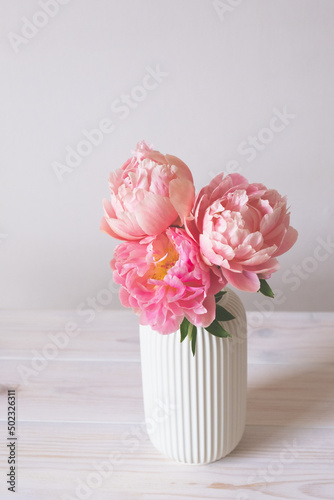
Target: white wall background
226,74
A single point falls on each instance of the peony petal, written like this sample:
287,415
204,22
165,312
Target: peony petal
200,211
246,281
204,319
209,255
104,226
255,240
243,252
182,196
260,257
236,235
124,229
191,228
155,213
289,240
183,170
108,209
218,282
270,265
276,236
224,251
270,221
220,185
236,199
155,156
124,297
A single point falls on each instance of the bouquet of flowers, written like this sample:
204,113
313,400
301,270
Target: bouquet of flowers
180,251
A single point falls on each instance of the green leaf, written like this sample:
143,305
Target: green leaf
189,330
217,330
193,340
219,295
184,329
265,289
222,314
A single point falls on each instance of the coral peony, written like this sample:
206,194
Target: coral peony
148,194
242,228
164,279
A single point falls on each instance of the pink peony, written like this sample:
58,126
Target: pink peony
164,278
148,194
242,228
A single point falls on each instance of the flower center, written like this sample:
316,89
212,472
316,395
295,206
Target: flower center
164,263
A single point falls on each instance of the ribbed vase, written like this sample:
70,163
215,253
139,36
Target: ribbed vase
195,407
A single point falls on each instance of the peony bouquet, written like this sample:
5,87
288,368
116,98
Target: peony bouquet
180,251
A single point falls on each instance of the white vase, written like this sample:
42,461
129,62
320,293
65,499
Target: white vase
195,407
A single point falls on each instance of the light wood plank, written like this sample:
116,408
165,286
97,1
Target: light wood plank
113,335
295,338
110,335
87,403
77,390
297,395
111,392
269,462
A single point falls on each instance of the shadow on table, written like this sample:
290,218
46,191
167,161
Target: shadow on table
297,397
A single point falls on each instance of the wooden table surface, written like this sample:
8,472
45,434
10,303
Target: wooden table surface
80,415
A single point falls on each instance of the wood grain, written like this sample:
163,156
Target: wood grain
84,409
